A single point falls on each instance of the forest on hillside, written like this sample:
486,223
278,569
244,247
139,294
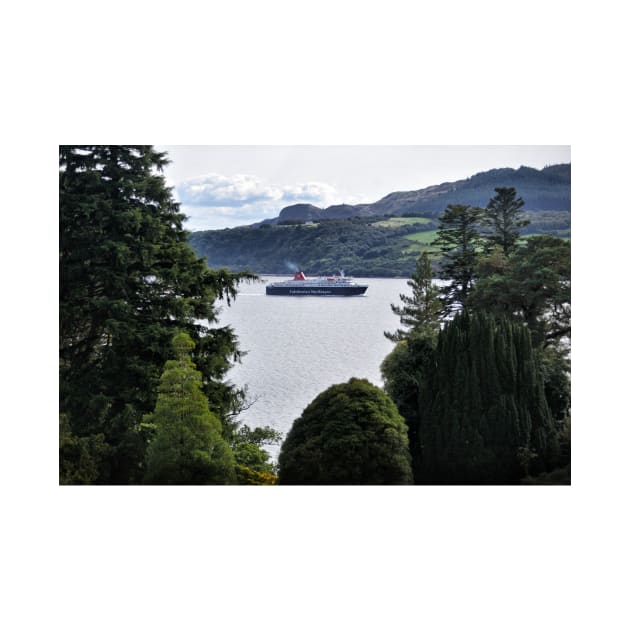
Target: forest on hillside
361,246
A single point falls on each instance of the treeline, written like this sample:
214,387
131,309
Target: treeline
358,245
479,375
142,394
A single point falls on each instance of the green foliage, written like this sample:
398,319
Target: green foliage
486,407
406,371
250,455
460,242
505,218
260,436
556,368
420,312
362,246
475,404
564,439
128,281
395,222
359,246
247,477
555,223
350,434
532,286
248,443
188,447
79,457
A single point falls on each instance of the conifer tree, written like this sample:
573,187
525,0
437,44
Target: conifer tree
459,241
128,281
420,312
505,217
406,370
484,417
533,286
187,447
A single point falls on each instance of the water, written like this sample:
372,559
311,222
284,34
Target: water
298,346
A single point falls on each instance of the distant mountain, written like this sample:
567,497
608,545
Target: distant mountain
543,190
300,212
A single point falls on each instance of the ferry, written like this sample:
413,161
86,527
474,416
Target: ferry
331,286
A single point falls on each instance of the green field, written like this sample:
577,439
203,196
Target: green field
394,222
424,238
420,242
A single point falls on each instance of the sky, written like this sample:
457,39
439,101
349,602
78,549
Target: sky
227,186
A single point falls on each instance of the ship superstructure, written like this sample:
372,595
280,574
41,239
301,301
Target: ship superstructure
324,285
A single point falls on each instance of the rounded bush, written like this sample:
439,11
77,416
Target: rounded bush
351,433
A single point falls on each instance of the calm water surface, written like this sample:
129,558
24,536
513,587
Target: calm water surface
298,346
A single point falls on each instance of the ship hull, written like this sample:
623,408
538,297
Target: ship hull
317,291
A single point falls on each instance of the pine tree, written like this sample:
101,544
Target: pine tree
128,281
460,242
188,447
505,218
420,312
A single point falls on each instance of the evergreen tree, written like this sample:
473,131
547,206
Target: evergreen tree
505,217
485,418
187,447
128,281
350,434
406,370
420,312
532,286
556,368
79,457
459,241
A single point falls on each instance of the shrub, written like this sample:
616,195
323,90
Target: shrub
350,434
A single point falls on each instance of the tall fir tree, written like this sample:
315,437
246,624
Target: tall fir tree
505,218
128,281
459,240
187,447
420,311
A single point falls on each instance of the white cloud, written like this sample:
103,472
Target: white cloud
215,200
215,189
310,192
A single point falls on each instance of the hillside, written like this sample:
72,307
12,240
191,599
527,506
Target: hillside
356,245
547,189
384,238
